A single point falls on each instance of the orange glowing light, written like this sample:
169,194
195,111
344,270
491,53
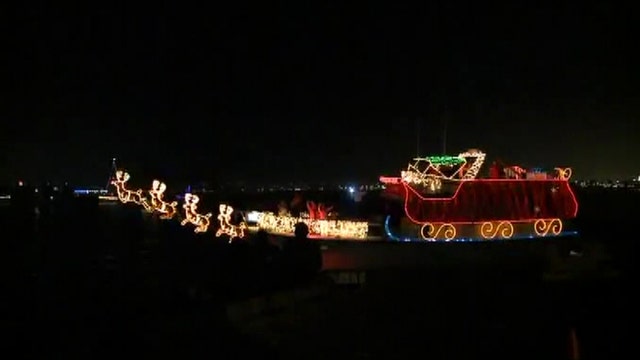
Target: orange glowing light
542,227
431,231
478,157
166,209
226,228
191,215
564,173
503,229
125,195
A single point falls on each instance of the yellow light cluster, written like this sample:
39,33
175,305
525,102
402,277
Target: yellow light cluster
431,176
479,157
415,175
285,225
431,182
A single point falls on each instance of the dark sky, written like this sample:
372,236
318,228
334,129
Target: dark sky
326,92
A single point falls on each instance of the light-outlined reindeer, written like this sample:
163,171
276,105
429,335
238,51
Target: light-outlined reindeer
167,210
191,215
125,195
226,228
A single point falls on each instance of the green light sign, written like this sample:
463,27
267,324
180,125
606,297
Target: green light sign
445,160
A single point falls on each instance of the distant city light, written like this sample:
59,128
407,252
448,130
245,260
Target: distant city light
89,191
351,190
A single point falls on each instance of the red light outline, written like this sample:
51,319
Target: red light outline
462,182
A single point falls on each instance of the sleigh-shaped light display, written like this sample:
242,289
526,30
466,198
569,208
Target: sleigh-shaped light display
445,199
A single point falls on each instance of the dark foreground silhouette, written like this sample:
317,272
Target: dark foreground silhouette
87,281
97,282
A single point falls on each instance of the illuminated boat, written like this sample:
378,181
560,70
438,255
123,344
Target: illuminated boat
444,199
320,225
318,229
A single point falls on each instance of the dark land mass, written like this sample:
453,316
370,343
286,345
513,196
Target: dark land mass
103,281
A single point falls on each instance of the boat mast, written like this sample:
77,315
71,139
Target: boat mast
112,173
417,137
444,134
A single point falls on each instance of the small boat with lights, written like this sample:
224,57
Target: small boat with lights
321,223
445,199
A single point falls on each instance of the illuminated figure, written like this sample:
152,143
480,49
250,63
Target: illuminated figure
155,203
191,215
283,210
319,211
167,210
312,208
226,228
125,195
323,211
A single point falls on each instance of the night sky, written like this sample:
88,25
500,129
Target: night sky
329,92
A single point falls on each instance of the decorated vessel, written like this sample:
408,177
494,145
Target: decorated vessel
320,220
445,199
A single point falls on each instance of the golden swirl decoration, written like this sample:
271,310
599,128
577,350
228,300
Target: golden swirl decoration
542,227
489,229
448,231
564,173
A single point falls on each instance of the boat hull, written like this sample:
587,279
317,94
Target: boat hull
489,209
491,200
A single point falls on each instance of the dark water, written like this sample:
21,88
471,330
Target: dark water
105,281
